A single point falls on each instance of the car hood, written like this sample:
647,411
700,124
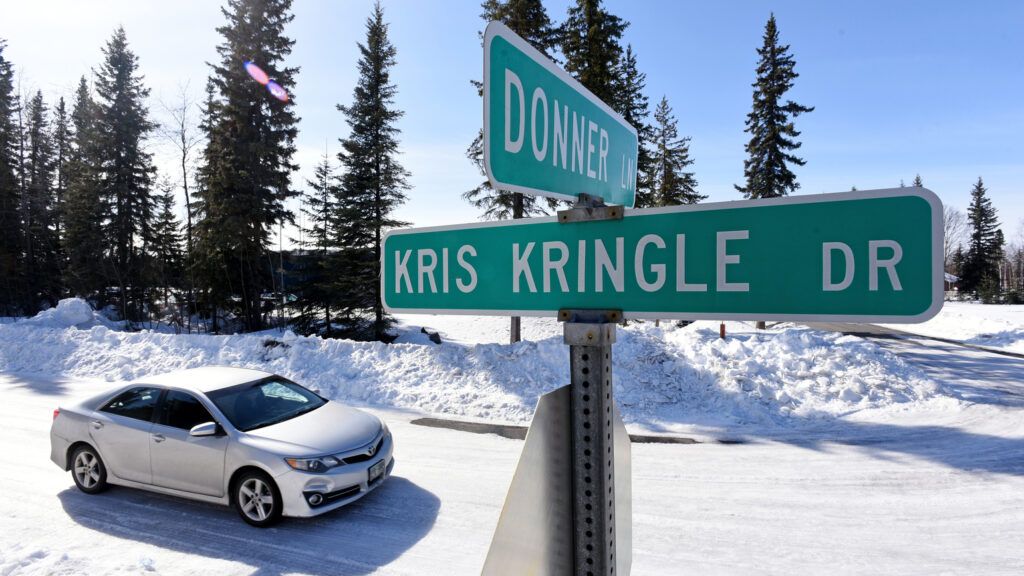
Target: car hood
330,429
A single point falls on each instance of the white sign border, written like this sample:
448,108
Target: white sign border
497,29
938,292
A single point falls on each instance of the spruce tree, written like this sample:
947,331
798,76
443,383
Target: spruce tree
85,209
956,264
530,21
316,288
39,213
165,253
917,183
61,150
591,45
373,185
127,171
633,105
11,226
770,123
672,184
244,179
981,261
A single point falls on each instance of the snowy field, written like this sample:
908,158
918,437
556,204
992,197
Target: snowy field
994,326
853,457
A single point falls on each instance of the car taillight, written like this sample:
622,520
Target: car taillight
56,412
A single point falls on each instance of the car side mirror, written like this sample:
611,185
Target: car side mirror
204,429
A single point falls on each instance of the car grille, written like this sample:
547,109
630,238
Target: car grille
357,458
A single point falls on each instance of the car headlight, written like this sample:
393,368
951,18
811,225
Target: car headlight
317,465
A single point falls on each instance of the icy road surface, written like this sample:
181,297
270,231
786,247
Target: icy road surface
927,494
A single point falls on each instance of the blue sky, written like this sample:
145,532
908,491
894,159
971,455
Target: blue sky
900,88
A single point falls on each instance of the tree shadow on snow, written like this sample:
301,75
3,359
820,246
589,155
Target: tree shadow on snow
40,384
353,540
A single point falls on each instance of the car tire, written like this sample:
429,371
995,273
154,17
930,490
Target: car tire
257,499
88,470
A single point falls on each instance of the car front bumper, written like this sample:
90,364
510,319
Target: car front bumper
337,487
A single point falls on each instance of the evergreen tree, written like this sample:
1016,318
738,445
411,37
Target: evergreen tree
917,183
61,150
373,185
672,184
316,288
983,253
632,104
956,262
770,123
126,173
11,226
166,255
41,244
590,43
528,19
247,163
85,208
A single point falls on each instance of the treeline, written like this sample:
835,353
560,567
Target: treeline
84,213
81,212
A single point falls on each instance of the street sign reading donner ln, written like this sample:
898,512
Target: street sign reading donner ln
855,256
547,135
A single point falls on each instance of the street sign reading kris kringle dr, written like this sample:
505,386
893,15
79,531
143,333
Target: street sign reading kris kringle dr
854,256
547,135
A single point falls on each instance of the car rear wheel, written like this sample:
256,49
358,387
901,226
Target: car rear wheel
257,499
88,470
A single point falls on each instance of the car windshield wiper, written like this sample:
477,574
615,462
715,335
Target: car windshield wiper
283,418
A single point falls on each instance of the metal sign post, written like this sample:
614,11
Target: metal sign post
593,457
590,335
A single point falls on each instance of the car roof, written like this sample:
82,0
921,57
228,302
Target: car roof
206,378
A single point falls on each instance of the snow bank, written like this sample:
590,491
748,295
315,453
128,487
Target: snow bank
69,312
663,376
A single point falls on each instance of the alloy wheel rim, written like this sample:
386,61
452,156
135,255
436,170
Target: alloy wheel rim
256,499
87,469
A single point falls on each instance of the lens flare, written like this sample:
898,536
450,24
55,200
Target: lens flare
256,72
277,91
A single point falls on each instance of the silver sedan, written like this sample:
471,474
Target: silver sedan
249,439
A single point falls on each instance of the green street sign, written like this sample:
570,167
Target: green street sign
868,256
547,135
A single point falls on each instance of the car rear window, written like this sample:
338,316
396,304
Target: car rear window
137,403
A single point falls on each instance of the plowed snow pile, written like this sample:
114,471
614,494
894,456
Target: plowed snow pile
664,377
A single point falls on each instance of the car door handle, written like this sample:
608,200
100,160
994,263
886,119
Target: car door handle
158,438
96,424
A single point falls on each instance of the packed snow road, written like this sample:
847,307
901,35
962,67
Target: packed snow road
921,493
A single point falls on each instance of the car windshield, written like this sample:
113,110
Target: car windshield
263,403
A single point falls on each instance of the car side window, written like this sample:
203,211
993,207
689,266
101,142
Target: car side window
183,410
137,403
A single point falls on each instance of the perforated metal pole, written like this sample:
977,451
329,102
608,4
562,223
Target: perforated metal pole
593,446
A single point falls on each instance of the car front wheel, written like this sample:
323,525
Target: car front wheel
88,470
257,499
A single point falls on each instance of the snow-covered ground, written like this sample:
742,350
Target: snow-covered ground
904,457
994,326
924,494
